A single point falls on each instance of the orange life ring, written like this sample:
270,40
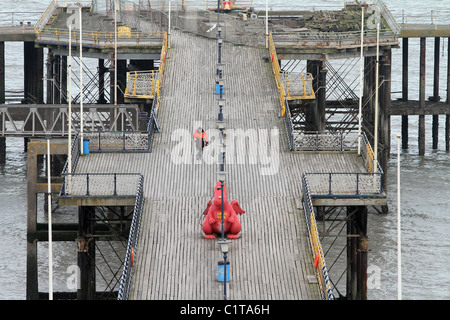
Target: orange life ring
132,256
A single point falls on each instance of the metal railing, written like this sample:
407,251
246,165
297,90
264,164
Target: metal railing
95,38
118,141
291,86
14,18
133,239
345,184
323,141
146,84
141,84
325,286
289,126
75,155
100,184
298,86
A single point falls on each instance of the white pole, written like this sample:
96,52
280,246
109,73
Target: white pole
69,143
399,245
168,37
361,81
115,54
267,23
81,82
376,101
50,238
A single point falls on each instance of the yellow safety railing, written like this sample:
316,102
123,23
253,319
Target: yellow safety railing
273,57
323,279
282,100
144,84
306,83
141,84
285,92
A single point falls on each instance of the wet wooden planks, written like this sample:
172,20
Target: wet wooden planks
272,259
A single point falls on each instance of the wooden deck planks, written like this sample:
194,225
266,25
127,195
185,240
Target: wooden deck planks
272,259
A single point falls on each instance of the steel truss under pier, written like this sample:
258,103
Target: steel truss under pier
38,120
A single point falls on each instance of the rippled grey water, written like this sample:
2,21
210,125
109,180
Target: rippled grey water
425,184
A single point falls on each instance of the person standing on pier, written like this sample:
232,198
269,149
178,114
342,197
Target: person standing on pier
201,140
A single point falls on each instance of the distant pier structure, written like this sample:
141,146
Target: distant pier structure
154,67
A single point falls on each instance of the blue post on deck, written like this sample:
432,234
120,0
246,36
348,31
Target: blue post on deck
85,146
221,271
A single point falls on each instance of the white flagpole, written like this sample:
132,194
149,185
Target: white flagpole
69,147
267,23
50,238
81,83
375,165
361,81
115,54
399,245
168,33
69,142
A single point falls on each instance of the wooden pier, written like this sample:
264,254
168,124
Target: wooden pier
158,189
173,261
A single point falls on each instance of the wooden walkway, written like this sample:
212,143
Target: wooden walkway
272,259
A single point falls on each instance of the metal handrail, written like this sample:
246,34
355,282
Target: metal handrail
289,126
100,38
325,285
345,184
117,141
102,179
133,238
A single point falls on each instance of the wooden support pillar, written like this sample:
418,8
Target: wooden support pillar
64,73
2,72
436,97
362,251
2,149
86,253
101,81
357,251
422,96
321,101
50,85
405,92
351,255
2,99
33,73
368,98
121,80
57,79
32,292
36,149
447,117
385,123
312,67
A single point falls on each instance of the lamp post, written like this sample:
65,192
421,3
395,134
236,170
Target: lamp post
223,244
221,177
